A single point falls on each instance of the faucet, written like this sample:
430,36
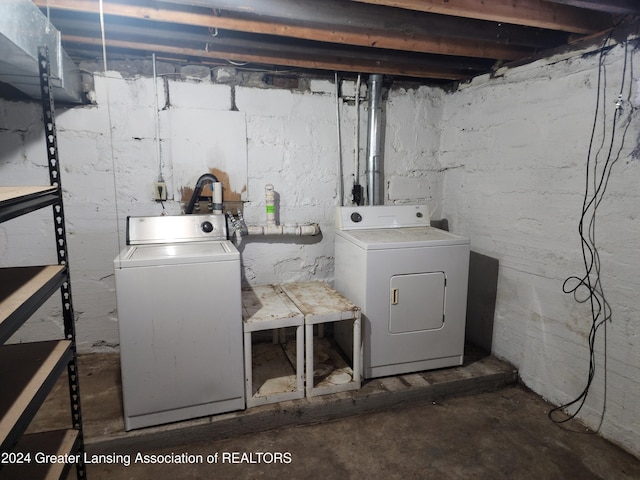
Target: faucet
204,179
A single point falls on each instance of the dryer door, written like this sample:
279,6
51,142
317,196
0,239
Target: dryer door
416,302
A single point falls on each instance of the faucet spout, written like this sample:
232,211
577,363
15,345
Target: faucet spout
202,181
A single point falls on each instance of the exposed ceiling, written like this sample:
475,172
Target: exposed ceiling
430,40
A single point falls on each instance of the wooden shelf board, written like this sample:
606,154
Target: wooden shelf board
16,201
27,373
56,442
22,291
10,194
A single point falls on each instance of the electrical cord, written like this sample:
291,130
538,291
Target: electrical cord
601,311
109,116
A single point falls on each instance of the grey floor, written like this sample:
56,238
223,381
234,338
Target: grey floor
473,421
503,434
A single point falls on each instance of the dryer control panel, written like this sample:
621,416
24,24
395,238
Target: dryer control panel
382,216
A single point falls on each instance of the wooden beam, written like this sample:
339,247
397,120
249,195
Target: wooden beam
283,59
621,7
337,14
532,13
378,38
243,43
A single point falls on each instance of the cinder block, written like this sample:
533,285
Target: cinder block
409,188
322,86
198,73
199,95
266,102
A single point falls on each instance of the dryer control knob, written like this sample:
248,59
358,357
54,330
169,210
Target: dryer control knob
207,227
356,217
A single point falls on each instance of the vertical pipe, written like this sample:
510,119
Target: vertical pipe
357,133
157,119
340,174
374,143
357,196
216,197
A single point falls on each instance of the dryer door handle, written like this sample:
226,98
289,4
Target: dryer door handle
394,296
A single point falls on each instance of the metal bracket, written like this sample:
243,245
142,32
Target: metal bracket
48,114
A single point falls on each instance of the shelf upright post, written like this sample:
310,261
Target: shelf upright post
48,115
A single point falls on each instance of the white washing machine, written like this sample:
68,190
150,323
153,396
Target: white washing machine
410,280
180,320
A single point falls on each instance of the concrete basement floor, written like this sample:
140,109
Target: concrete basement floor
473,421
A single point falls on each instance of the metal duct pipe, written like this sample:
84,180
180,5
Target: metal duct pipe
374,174
24,28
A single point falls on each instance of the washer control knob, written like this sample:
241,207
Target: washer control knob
356,217
207,227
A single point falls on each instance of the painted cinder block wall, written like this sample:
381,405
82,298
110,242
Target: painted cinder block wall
255,134
502,159
515,150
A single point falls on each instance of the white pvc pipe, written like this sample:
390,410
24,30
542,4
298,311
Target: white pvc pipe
296,230
216,197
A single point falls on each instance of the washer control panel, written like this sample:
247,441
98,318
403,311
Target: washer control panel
176,229
382,216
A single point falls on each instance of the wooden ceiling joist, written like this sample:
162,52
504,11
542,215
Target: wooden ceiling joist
620,7
341,14
285,58
532,13
452,39
337,34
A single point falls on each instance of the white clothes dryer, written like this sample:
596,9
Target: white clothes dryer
410,280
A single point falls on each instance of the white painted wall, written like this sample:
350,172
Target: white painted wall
503,159
515,148
255,134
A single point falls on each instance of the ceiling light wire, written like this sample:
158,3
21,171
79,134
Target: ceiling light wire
112,150
237,64
48,27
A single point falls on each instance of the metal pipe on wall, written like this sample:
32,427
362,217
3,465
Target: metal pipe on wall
375,163
357,189
340,174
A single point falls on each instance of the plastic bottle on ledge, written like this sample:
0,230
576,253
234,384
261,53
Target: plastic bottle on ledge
270,200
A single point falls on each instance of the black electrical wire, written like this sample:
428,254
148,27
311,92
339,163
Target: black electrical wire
601,311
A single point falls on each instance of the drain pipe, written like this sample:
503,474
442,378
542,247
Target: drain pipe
271,227
309,229
216,188
374,143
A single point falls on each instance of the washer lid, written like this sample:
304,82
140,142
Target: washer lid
407,237
176,254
